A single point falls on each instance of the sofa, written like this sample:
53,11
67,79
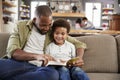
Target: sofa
102,55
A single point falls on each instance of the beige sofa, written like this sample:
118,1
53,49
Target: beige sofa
101,56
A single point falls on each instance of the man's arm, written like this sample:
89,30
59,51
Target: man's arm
80,52
80,47
80,61
77,43
25,56
16,43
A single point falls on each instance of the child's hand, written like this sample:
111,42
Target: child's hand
75,62
79,62
71,62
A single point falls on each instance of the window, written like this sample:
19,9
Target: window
93,13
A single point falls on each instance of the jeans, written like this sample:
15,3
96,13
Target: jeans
72,73
64,73
78,74
20,70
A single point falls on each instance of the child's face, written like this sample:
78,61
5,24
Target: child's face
60,35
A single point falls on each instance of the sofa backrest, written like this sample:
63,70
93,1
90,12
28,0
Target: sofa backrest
3,43
101,53
118,47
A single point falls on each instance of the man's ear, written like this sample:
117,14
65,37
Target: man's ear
34,20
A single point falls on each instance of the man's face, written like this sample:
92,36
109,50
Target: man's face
44,24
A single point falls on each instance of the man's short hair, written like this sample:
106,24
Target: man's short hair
84,18
43,10
79,20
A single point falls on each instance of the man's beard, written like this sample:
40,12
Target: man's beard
41,32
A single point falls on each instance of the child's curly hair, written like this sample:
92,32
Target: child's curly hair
61,23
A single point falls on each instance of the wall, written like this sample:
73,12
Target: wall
117,8
0,15
10,19
102,1
115,2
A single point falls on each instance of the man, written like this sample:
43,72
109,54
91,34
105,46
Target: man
86,24
28,43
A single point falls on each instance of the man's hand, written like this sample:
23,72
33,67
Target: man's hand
45,58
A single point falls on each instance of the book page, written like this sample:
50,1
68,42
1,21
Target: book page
55,63
59,63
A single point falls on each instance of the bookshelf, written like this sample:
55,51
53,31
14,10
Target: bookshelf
107,11
24,12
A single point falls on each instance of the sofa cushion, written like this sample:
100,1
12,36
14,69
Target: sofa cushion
101,53
104,76
118,47
3,43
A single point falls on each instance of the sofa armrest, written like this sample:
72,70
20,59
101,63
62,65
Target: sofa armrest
3,43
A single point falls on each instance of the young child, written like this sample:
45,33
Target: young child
63,51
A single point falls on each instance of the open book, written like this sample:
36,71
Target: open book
58,63
39,63
54,63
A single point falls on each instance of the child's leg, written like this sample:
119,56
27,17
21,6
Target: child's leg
63,73
78,74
